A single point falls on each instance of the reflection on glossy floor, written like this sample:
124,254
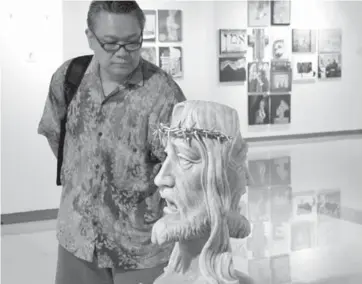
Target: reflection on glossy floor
305,207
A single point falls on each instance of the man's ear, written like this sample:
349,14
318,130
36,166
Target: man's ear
90,36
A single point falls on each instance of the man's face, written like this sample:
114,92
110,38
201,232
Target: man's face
179,182
115,29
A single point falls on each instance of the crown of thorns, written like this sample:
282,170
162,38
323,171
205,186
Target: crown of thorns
189,133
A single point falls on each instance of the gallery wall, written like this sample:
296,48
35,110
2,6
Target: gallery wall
53,31
31,49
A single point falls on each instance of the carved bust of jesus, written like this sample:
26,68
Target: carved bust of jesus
202,180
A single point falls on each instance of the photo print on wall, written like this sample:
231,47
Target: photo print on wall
258,111
233,41
304,67
329,203
170,60
281,77
305,205
330,41
169,25
304,40
232,69
280,109
329,65
281,43
260,172
258,41
280,12
280,170
258,13
149,32
258,77
149,53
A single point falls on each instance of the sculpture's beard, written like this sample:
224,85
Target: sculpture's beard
177,227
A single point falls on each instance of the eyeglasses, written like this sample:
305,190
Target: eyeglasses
114,47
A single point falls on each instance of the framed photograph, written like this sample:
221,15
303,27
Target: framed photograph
260,173
149,32
257,242
259,270
329,65
280,111
258,112
258,77
302,235
330,40
170,60
303,40
281,77
281,204
304,67
149,53
280,167
232,69
169,25
233,41
329,203
305,205
259,205
258,42
280,12
280,269
281,43
258,13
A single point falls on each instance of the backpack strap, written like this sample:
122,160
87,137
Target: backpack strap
73,77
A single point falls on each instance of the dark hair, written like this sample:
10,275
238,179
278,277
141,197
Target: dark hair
115,7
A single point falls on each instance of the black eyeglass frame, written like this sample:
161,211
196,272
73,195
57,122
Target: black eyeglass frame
119,46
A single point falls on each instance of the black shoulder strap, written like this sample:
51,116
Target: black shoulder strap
73,77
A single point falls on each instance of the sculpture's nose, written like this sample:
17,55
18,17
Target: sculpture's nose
165,177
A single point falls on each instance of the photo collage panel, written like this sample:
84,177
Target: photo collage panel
162,40
232,52
269,56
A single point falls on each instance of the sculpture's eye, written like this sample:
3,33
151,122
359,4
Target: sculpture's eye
184,162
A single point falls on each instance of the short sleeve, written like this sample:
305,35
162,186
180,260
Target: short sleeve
170,95
54,109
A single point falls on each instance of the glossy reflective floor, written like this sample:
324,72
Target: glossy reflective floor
305,207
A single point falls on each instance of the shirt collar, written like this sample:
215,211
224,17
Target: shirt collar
136,77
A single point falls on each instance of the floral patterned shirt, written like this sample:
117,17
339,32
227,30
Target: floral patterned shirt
109,202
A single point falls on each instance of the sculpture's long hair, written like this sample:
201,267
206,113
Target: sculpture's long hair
215,260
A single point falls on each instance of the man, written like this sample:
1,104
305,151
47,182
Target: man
202,181
109,201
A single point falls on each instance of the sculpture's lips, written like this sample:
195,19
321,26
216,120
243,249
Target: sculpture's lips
171,207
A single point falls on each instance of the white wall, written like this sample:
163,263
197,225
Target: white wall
28,166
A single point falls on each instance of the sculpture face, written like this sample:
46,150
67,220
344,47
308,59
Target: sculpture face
180,184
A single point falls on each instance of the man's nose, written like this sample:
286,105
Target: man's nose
121,52
165,177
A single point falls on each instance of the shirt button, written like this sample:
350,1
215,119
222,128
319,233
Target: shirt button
95,223
97,167
100,134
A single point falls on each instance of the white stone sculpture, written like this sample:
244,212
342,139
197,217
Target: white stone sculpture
202,181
